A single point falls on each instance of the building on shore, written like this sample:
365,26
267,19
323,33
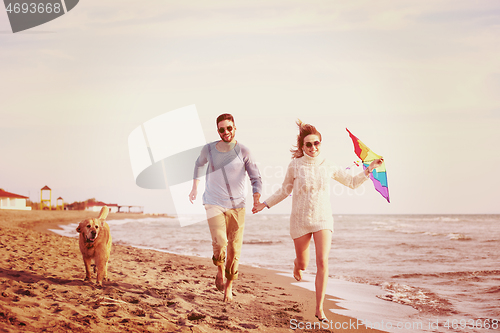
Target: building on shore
96,206
12,201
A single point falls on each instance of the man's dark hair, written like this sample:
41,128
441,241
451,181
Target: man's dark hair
224,116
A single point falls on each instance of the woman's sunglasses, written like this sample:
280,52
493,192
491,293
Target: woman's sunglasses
310,144
222,129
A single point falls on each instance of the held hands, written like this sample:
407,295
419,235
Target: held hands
256,198
257,205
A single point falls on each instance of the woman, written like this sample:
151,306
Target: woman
307,176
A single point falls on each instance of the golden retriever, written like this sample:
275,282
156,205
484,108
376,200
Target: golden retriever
95,244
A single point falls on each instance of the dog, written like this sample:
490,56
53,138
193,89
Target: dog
95,244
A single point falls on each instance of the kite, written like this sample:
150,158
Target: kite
378,176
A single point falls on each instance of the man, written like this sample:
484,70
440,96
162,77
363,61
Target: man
224,198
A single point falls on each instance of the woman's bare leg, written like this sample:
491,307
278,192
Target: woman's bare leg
323,242
301,255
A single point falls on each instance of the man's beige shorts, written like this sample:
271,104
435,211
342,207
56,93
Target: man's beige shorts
226,227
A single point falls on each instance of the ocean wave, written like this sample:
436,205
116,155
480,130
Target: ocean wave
385,228
67,230
449,275
420,299
410,246
400,229
121,242
261,242
460,237
493,290
441,219
379,223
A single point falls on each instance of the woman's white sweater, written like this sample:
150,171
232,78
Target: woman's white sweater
308,178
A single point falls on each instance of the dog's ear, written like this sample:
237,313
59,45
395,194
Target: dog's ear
79,229
104,213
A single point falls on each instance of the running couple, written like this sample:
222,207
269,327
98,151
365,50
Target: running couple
307,176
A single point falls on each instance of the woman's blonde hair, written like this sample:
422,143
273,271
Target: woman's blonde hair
304,130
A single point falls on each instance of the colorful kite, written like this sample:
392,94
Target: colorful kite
378,176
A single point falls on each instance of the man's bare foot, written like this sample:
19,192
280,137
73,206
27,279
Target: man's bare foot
297,273
219,279
228,291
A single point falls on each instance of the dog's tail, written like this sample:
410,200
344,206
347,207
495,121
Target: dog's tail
104,213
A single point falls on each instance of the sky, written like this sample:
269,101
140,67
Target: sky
416,81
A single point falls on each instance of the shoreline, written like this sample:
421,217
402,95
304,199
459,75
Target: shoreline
149,290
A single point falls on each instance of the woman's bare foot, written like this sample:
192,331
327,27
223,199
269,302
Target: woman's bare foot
228,291
219,279
320,315
297,273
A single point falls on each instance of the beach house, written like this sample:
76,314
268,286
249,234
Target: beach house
97,205
12,201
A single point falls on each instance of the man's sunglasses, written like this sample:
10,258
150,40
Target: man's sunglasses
310,144
222,129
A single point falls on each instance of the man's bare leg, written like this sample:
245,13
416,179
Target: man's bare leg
219,279
228,291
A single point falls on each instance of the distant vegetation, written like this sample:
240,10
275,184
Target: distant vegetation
77,205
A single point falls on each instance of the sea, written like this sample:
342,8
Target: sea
397,273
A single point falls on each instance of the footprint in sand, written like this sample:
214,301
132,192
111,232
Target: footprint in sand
196,316
249,326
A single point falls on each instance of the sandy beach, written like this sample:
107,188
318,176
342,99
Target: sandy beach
42,288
